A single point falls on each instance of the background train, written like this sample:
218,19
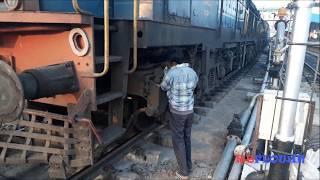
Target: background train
57,50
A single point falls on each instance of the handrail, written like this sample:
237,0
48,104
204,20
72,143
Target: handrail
106,42
135,40
77,8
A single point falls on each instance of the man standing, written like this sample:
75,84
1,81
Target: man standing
180,82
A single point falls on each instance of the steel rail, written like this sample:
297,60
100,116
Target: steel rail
115,154
312,69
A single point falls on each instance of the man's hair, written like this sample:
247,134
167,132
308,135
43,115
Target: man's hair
178,60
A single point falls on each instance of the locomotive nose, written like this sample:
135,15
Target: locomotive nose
11,94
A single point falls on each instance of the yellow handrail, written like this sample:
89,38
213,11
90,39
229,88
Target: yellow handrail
106,42
77,8
135,40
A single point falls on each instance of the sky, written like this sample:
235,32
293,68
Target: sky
270,4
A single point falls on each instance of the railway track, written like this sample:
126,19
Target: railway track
115,154
216,94
119,150
312,71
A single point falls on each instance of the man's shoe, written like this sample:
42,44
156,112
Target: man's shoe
190,171
179,176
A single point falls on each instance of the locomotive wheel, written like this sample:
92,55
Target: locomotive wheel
11,94
140,121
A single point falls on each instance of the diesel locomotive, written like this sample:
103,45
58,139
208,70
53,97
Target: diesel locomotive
76,75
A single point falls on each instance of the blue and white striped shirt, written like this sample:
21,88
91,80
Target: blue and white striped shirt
180,82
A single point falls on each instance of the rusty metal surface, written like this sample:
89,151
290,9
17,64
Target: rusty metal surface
7,28
116,153
44,17
80,107
35,49
41,137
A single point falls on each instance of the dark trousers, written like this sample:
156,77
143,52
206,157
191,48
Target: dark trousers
181,139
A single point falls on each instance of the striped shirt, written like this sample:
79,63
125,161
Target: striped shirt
180,82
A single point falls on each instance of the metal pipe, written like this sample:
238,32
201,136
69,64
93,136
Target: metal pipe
220,20
265,79
294,71
281,27
269,52
224,163
304,44
278,54
135,40
77,8
283,49
237,167
244,55
246,114
106,42
285,136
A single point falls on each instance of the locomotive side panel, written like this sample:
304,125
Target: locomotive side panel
37,45
205,14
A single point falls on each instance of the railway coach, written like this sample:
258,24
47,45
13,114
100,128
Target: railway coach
77,75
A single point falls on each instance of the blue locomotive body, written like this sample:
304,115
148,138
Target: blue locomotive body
232,20
240,15
216,37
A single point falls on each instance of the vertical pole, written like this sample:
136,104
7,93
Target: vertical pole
244,55
279,56
281,27
285,137
220,19
236,21
295,69
134,35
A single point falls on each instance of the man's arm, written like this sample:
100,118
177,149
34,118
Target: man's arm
196,79
165,84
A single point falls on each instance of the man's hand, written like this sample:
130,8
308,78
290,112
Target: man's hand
165,71
158,85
